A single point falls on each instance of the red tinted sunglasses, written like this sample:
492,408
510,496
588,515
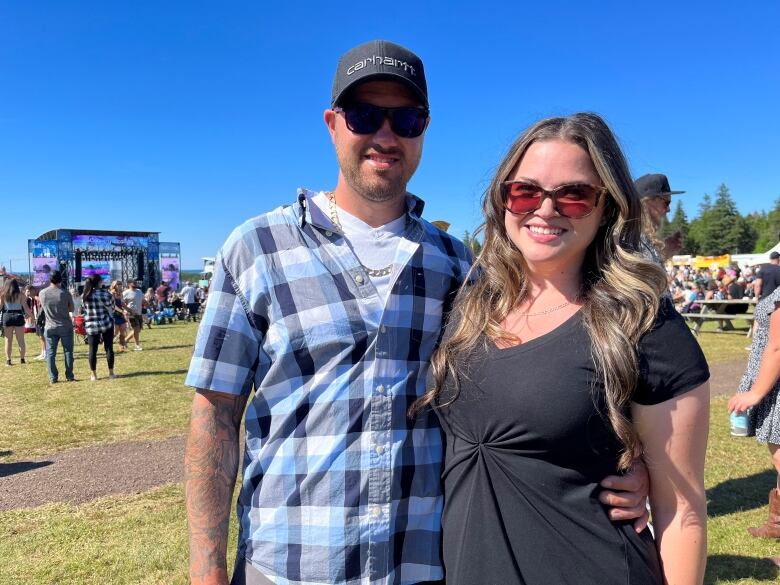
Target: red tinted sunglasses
574,201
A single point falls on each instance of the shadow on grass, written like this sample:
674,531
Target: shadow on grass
101,355
6,453
151,373
191,345
733,568
743,493
7,469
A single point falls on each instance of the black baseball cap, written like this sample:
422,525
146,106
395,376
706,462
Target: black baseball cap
654,185
774,255
377,60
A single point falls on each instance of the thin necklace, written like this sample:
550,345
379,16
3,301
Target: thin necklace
334,218
546,311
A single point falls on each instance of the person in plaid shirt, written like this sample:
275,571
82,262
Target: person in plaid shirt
329,309
98,309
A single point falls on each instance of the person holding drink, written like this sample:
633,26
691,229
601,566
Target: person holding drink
757,399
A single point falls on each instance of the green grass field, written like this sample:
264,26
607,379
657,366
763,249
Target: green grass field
142,538
148,398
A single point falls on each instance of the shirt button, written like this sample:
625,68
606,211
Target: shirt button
359,279
376,511
329,233
383,329
380,449
380,389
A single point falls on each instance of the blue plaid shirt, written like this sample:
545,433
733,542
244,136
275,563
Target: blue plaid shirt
339,484
98,311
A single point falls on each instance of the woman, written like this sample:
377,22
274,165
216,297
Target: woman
120,315
98,306
759,390
37,322
15,311
561,364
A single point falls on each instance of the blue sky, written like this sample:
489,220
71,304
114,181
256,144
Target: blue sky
189,117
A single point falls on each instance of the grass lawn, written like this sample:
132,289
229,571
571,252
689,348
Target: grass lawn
148,398
142,538
726,346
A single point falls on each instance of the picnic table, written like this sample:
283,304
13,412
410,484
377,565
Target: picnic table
716,310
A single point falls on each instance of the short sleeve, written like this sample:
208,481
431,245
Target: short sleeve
227,347
670,359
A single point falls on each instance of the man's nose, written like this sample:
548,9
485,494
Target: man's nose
385,134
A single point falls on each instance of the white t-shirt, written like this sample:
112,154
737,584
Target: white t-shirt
134,300
375,248
188,295
77,302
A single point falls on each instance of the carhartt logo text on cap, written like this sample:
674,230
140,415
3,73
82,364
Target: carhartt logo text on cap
380,60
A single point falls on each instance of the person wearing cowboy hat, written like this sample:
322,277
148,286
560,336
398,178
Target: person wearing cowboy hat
656,197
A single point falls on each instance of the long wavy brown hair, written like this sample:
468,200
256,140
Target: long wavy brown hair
620,289
11,292
92,283
650,231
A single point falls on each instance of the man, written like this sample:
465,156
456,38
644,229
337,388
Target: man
656,196
735,291
134,301
329,309
188,296
57,305
768,278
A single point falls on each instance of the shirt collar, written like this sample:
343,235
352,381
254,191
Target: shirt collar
308,212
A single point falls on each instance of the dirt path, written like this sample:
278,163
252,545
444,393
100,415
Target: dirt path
80,475
725,377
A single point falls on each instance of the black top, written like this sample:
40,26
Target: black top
736,292
526,448
770,279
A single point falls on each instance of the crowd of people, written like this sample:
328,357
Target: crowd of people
96,312
420,415
688,285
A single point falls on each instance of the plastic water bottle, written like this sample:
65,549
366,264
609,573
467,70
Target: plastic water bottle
739,423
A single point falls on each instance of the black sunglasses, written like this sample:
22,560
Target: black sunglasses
406,122
574,201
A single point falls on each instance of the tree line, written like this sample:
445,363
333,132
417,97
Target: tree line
720,229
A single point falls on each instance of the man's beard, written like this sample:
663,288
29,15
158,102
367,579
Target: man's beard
376,188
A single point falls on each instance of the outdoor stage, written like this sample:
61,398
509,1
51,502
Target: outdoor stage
114,255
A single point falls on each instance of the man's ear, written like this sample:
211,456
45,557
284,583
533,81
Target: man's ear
329,116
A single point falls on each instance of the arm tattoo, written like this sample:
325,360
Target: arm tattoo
210,469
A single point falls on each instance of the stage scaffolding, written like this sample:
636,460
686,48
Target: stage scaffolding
79,253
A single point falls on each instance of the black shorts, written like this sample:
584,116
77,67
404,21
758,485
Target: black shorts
13,319
193,308
136,321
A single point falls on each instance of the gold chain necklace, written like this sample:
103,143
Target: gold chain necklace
334,218
546,311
